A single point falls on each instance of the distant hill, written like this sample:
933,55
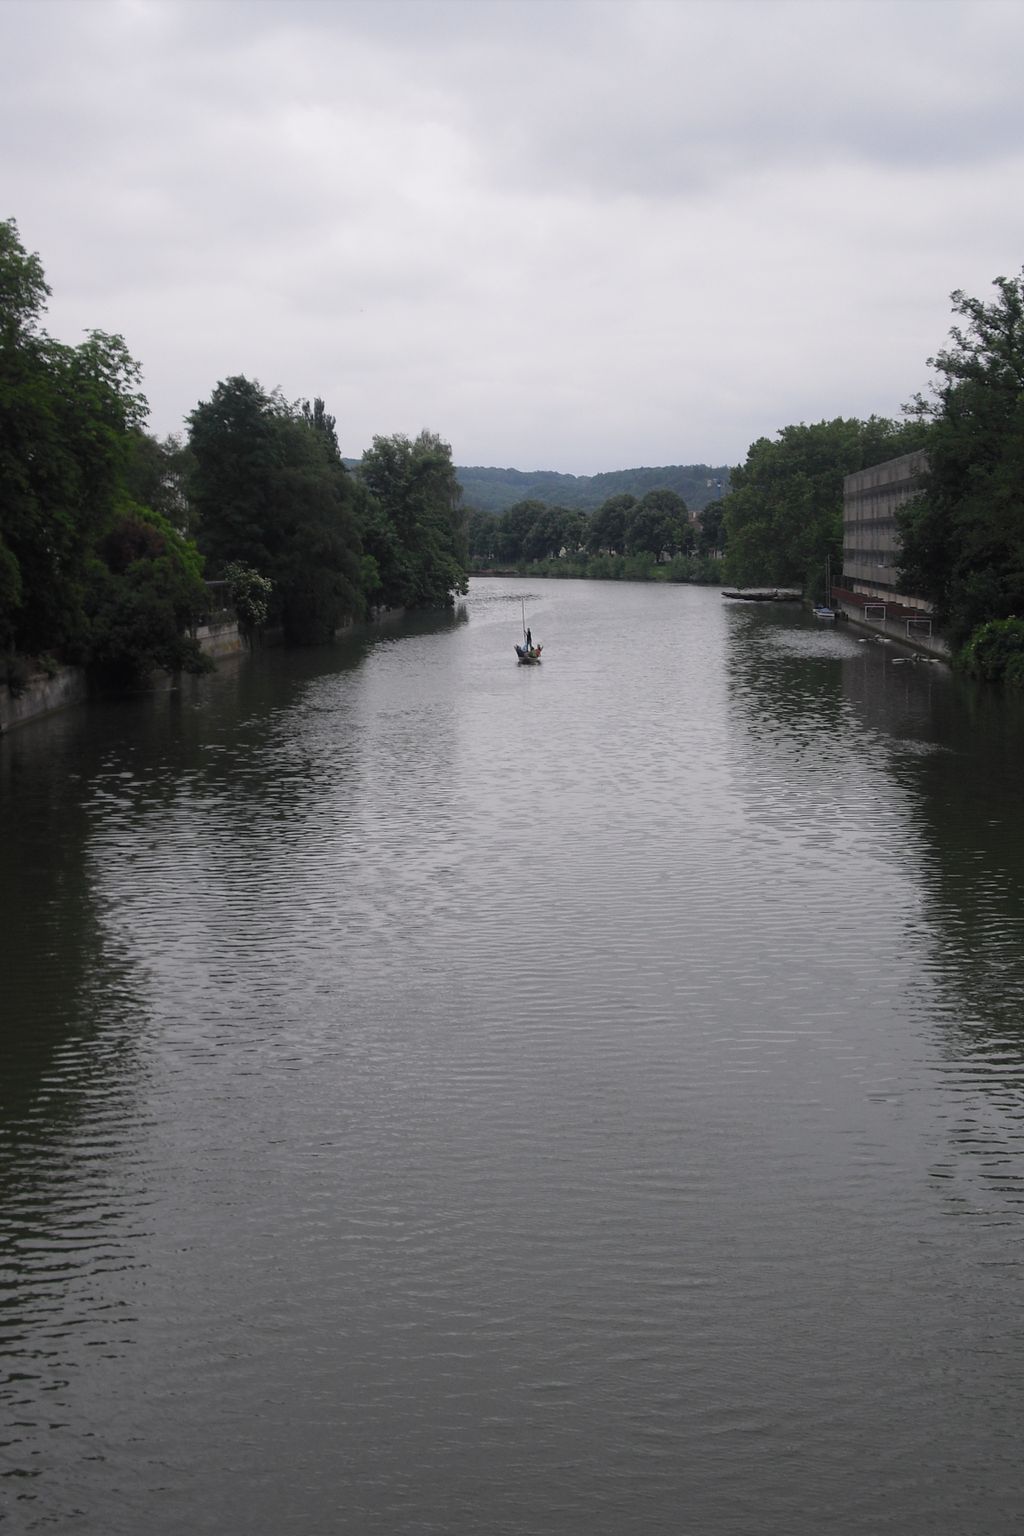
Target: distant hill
493,490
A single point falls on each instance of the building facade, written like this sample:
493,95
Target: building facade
871,543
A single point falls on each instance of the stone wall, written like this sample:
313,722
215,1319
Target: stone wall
41,695
221,639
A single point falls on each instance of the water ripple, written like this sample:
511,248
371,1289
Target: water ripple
443,1095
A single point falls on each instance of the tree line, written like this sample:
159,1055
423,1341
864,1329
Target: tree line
780,519
496,490
962,535
108,535
645,537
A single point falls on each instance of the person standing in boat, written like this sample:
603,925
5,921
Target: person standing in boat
529,640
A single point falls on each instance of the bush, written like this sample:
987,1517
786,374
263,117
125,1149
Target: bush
995,652
14,671
250,596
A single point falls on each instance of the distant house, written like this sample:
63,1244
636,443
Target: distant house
871,542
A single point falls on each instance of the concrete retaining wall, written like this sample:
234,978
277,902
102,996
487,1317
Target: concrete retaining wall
895,629
41,696
220,639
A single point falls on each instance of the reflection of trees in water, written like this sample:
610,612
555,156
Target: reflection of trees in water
966,800
794,735
956,749
77,791
68,1060
783,676
953,750
119,819
929,765
61,979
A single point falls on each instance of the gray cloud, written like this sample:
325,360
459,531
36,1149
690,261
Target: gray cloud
573,235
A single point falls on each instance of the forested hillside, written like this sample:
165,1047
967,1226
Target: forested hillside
494,490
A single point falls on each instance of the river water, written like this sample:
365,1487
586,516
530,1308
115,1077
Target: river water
444,1096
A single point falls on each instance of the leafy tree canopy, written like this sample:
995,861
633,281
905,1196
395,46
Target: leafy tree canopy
784,513
271,492
659,525
85,571
412,520
963,538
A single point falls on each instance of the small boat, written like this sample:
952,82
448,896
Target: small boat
825,614
529,652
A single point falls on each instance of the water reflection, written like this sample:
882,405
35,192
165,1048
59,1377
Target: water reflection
514,1099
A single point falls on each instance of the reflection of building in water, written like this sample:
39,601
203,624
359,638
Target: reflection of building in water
871,543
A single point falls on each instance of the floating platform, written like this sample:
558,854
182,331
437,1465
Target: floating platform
764,594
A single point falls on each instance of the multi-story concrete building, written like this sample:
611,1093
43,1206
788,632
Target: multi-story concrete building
868,589
871,542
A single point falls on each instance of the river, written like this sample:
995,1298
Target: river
443,1096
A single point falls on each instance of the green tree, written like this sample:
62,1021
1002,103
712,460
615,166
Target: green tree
65,417
413,522
574,530
144,595
272,493
607,527
784,512
658,525
963,537
712,532
482,536
249,594
157,475
515,527
552,530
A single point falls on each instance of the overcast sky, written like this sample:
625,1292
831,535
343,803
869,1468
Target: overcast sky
565,234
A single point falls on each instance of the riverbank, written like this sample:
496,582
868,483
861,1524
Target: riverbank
42,693
46,690
895,621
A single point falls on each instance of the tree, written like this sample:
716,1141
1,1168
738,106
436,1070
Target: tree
607,529
413,522
515,526
712,533
157,475
65,417
249,594
272,493
549,533
574,530
657,525
144,595
482,536
784,512
236,454
963,537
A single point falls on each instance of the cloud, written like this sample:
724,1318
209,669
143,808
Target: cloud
572,235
